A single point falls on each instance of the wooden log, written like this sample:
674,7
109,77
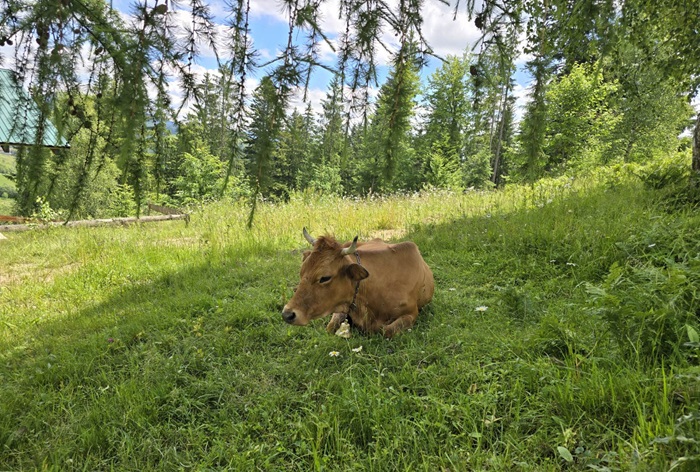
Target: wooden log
92,223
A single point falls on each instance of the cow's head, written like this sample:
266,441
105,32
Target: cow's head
327,281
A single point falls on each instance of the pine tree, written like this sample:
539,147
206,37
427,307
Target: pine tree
447,105
267,113
386,144
295,155
532,127
331,124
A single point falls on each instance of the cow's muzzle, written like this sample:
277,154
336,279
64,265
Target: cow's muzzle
289,316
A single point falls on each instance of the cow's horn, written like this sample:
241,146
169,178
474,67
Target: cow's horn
352,248
308,237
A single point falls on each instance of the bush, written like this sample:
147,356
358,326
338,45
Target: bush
670,170
648,303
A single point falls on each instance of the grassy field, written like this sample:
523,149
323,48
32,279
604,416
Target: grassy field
6,206
162,347
7,163
7,166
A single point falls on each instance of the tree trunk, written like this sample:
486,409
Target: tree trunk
497,157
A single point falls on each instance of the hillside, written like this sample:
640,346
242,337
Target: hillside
7,186
162,347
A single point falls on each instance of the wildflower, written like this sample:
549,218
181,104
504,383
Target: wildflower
481,308
334,353
451,289
357,349
652,245
110,340
572,264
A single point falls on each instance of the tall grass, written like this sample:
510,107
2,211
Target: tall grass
161,347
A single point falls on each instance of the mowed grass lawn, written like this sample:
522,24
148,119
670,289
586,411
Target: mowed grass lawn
562,336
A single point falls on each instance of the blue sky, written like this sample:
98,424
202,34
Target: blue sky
269,29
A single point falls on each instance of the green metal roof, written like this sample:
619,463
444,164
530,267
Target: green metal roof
19,116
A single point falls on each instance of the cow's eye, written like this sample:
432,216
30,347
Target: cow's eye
324,279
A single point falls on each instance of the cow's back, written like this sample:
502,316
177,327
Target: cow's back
398,273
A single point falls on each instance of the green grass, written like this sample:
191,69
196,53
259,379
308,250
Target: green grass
161,347
7,164
6,206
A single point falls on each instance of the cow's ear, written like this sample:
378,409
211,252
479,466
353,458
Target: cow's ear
356,272
304,255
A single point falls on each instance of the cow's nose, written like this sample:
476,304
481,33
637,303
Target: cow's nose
289,316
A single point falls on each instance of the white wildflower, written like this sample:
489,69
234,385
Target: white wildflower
481,308
357,349
334,353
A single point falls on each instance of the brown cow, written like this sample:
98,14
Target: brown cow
380,286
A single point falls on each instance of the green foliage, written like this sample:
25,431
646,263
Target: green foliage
624,72
650,301
267,111
121,202
92,197
200,175
44,212
447,95
443,165
580,122
668,171
387,136
296,157
648,307
653,112
333,141
325,179
213,111
477,169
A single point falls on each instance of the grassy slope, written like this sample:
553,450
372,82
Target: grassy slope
6,206
161,347
7,166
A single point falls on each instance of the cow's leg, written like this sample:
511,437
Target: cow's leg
335,322
400,324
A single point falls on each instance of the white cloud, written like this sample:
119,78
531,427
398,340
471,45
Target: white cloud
445,35
522,97
267,8
313,96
